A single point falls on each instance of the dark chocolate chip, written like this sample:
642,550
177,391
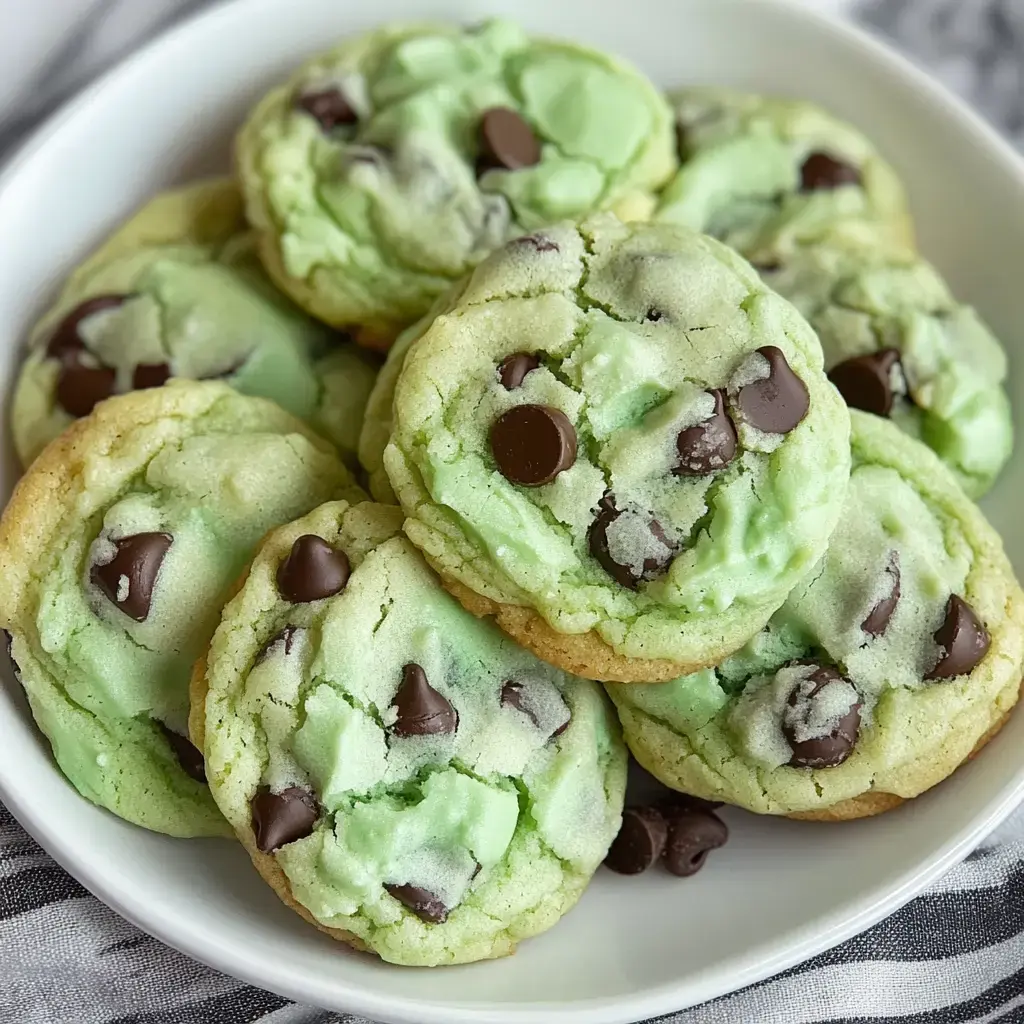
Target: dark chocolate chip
836,746
422,711
640,841
778,402
513,369
821,171
281,818
65,340
81,387
865,382
597,537
532,444
539,243
512,696
425,905
285,639
189,757
329,107
506,141
129,577
962,638
312,570
877,621
150,375
654,314
709,445
692,835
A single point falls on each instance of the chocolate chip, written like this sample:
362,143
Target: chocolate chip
150,375
532,444
81,387
190,759
692,835
654,315
565,725
281,818
65,339
329,107
640,841
512,696
506,141
865,382
778,402
285,639
962,638
709,445
835,746
877,621
312,570
626,575
539,243
821,172
513,369
422,711
425,905
128,578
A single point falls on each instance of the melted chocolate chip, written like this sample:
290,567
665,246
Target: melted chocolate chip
532,444
425,905
281,818
312,570
877,621
834,747
512,696
422,711
65,340
865,382
626,575
692,835
778,402
81,387
129,577
506,141
962,638
709,445
285,640
513,369
640,841
150,375
822,172
329,107
189,757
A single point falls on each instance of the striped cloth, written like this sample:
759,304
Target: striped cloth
953,956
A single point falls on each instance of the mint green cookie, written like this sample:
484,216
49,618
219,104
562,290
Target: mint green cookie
388,167
404,776
896,658
118,549
765,174
621,444
178,291
898,344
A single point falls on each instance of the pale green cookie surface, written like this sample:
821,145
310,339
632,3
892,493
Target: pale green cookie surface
908,539
864,299
195,303
760,174
500,815
117,551
370,210
632,327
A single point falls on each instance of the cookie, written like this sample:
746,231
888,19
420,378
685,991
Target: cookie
178,291
406,778
622,445
385,169
116,554
899,657
898,344
764,174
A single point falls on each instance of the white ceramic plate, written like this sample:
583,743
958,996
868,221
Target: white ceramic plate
781,890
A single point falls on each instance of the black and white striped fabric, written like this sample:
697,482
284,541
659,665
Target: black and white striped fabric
953,956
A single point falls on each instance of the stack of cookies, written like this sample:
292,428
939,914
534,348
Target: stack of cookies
674,449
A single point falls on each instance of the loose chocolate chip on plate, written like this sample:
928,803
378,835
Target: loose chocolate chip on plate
65,339
81,387
655,546
513,696
640,841
962,638
709,445
422,711
129,577
189,757
283,641
329,107
281,818
821,172
425,905
865,382
513,369
692,835
506,141
150,375
532,444
833,747
312,570
778,402
877,621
